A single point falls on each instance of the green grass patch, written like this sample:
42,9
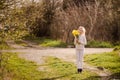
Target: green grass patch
47,42
117,48
52,43
110,60
99,44
3,46
61,70
14,68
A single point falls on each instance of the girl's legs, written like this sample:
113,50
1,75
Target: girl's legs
79,56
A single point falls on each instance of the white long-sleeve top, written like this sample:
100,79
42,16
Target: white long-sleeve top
81,42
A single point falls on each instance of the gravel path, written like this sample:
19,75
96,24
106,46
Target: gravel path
67,54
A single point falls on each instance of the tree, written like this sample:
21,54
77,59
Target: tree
5,7
95,15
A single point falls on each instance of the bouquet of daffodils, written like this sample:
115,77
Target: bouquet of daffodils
75,33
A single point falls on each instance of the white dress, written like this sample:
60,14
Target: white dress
80,48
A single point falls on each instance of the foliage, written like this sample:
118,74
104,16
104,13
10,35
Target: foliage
108,60
117,48
12,22
4,4
46,42
35,21
97,16
99,44
57,19
4,45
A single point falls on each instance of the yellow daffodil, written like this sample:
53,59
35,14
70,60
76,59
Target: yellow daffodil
75,32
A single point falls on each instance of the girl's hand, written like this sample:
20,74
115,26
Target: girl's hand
77,41
75,37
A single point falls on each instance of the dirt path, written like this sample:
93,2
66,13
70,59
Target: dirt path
67,54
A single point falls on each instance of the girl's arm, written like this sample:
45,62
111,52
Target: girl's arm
83,40
75,40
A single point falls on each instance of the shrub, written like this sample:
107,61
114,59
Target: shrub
117,48
4,45
98,44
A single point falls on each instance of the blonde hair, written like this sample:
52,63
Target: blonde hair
82,29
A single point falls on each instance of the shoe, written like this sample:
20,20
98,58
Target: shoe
79,70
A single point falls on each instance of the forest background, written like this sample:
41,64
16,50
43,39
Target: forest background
56,19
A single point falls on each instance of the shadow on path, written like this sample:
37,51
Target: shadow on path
115,76
58,77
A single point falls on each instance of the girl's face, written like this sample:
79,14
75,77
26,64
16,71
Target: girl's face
80,30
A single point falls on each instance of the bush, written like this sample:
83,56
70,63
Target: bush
117,48
4,45
99,44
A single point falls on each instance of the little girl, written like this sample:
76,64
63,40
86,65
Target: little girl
80,42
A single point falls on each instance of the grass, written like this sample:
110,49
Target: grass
117,48
47,42
110,60
99,44
52,43
66,71
4,46
15,68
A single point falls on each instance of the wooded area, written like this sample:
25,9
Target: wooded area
57,18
